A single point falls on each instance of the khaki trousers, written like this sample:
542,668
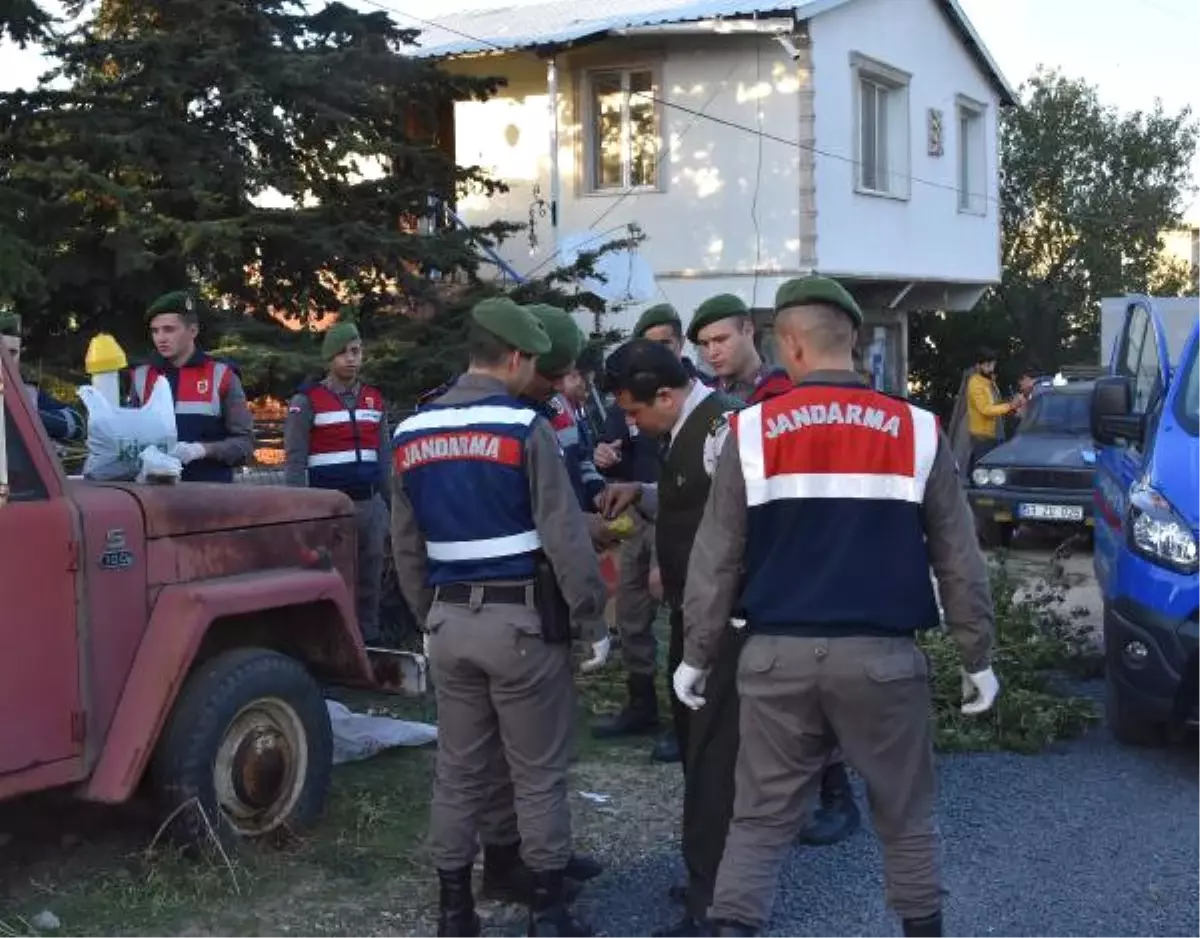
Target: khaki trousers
636,609
505,718
796,694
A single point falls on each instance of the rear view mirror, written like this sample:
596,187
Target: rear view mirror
1112,418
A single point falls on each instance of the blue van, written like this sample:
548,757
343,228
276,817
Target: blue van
1145,417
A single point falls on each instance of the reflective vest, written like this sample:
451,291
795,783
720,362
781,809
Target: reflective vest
199,389
463,469
343,444
835,478
576,450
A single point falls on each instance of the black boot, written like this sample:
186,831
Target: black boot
639,715
733,929
928,927
666,750
456,906
581,868
837,817
506,878
548,912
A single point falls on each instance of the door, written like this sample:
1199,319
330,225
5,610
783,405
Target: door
1140,354
39,654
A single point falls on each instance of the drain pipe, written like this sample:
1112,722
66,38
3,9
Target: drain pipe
552,94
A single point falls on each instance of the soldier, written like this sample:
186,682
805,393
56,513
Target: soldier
335,436
724,332
63,424
479,495
216,428
691,419
814,491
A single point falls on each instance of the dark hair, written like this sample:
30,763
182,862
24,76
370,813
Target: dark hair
486,348
985,355
675,325
642,367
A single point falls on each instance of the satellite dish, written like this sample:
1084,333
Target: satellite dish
627,277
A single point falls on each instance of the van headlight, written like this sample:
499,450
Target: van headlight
1158,533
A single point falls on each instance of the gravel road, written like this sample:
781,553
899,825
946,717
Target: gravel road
1088,839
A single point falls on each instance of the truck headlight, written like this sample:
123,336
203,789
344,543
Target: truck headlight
997,477
980,477
1158,533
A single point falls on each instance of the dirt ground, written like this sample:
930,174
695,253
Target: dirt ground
364,870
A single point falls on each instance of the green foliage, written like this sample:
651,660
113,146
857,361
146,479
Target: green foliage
139,169
1086,194
1038,649
23,22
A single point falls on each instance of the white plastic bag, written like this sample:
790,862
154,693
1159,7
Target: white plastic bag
360,735
118,435
158,467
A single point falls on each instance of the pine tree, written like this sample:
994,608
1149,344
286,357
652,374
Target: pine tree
141,174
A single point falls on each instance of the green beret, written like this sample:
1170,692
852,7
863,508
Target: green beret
566,338
803,290
10,324
513,325
337,337
178,301
661,315
714,309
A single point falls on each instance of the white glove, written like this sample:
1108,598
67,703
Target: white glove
189,452
979,691
600,651
689,685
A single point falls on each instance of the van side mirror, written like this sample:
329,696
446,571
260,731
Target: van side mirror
1112,417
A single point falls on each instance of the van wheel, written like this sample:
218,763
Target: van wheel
249,742
1127,727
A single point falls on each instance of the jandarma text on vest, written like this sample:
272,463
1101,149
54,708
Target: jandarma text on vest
856,415
489,447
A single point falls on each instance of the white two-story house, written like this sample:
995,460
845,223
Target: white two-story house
749,143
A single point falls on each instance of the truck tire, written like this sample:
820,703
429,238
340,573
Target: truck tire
249,741
1126,726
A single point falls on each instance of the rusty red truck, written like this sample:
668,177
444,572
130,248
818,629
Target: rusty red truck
170,638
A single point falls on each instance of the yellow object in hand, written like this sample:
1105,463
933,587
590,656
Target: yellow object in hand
620,527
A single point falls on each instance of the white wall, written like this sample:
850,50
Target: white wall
700,234
924,237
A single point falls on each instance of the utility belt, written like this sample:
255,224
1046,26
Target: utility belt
541,594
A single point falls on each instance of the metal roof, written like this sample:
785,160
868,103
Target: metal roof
563,22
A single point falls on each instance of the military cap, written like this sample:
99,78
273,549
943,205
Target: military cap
177,301
512,325
566,338
663,314
803,290
714,309
337,337
10,324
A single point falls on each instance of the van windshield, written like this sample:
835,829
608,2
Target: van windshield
1187,404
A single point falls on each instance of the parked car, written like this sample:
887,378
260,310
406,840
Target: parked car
1044,473
1145,418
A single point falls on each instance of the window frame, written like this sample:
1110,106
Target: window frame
588,136
898,139
971,203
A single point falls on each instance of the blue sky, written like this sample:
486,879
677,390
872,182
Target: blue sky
1133,50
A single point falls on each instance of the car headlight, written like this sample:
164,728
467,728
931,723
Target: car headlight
1158,533
997,477
980,477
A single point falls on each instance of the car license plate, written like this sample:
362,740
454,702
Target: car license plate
1052,512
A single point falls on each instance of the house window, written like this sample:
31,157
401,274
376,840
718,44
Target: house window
881,128
972,157
623,137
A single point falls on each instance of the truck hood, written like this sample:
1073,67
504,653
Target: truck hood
205,507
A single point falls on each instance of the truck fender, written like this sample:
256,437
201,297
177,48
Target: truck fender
178,625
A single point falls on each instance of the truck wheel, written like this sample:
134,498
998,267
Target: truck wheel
1127,727
249,741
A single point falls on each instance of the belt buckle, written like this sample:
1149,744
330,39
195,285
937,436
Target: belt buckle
475,597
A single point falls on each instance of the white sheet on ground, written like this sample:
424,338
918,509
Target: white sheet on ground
359,736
